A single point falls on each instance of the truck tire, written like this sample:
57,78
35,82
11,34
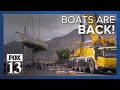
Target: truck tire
113,70
104,70
87,70
92,67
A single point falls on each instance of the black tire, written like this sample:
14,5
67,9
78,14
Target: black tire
113,70
104,70
92,67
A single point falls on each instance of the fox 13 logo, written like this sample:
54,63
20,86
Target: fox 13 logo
14,64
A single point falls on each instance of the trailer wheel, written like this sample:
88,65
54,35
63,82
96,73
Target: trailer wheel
92,67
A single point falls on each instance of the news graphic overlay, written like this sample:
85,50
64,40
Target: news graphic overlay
60,44
14,64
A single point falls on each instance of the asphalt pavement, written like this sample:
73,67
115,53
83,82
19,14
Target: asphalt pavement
48,72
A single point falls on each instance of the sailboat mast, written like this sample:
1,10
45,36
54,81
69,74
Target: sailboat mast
32,24
39,26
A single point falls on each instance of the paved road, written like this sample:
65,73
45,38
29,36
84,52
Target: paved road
47,72
39,73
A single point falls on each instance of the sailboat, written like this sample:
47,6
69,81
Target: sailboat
32,42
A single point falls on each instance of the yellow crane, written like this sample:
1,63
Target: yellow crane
99,55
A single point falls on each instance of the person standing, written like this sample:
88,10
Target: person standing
38,65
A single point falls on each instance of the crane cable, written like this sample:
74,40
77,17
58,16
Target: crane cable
39,27
32,24
28,22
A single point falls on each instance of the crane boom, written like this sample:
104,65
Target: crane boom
99,55
96,39
95,36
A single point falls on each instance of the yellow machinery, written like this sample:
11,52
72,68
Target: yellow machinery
100,54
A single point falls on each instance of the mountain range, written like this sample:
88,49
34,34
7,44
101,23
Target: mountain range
57,43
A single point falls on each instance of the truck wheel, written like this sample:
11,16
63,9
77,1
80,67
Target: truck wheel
113,70
80,69
104,70
87,70
92,67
